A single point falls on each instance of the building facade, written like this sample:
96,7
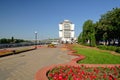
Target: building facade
66,31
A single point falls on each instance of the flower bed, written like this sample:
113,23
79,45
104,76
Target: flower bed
5,52
84,73
11,52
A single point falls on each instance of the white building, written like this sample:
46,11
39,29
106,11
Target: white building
66,31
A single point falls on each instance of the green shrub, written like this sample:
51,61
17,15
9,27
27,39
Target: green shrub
111,48
101,47
118,50
51,45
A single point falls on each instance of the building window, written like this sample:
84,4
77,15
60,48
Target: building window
67,26
67,34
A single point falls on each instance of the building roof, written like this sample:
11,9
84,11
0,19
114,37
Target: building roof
66,21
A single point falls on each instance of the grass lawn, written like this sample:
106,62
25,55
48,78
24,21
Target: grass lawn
94,56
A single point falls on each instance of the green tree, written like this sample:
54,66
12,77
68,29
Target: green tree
4,40
80,38
107,29
19,40
109,25
12,39
88,35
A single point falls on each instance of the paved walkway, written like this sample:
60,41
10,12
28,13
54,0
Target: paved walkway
25,65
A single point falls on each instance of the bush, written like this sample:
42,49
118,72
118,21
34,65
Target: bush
118,50
111,48
51,45
101,47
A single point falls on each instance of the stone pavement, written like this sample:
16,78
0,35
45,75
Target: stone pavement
25,65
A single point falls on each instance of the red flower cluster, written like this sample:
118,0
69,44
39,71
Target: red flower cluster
4,51
84,73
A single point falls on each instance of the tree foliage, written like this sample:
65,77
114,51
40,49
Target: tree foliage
88,34
109,25
107,29
12,40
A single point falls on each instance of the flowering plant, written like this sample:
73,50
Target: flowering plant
5,51
84,73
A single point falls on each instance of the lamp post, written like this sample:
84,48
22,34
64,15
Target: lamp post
35,39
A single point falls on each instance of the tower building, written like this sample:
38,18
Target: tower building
66,31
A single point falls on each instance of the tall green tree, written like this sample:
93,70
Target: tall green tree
12,39
88,35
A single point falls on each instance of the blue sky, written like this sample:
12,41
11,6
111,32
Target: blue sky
21,18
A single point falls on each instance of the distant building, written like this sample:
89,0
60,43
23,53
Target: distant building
66,32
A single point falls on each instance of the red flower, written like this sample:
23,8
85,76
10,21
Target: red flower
83,73
104,76
54,77
110,77
50,75
60,78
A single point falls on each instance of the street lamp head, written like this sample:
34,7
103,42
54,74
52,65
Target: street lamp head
35,32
